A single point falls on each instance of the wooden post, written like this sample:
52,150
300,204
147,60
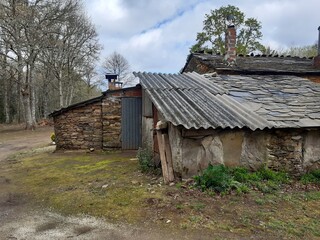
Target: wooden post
165,152
168,157
163,157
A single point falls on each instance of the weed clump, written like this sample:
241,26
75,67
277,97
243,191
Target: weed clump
218,178
311,177
145,160
224,179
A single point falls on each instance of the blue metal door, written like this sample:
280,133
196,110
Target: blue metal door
131,122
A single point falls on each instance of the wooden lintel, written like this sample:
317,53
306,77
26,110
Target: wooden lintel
198,132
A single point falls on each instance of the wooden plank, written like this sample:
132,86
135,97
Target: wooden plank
163,157
168,157
199,132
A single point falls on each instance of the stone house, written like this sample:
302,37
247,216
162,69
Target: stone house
252,121
248,111
108,122
208,62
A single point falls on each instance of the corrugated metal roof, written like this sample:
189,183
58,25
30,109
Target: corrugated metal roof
193,101
256,102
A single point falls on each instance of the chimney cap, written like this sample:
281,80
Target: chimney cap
230,20
111,76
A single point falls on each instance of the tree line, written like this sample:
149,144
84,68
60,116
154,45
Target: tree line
48,49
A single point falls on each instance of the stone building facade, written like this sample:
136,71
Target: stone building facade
92,124
250,121
293,151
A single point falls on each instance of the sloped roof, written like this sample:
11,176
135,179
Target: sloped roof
250,64
90,101
225,101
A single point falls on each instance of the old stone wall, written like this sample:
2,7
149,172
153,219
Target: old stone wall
79,128
195,65
292,150
95,123
311,150
285,151
111,122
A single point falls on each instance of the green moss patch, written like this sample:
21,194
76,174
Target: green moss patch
104,185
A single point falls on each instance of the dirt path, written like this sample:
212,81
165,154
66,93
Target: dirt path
20,219
14,139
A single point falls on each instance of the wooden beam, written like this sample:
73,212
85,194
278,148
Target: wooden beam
168,157
198,132
163,157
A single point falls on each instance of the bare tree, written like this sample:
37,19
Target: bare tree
44,44
74,44
117,64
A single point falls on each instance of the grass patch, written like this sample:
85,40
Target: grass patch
224,179
112,186
312,177
95,184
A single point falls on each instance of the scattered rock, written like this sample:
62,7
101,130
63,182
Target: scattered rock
168,221
172,184
105,186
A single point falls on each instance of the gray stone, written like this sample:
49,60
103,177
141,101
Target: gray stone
254,149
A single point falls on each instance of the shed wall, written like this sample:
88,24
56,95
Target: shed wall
79,128
296,151
111,122
92,124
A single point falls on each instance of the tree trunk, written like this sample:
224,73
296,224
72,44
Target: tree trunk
32,96
71,94
45,101
6,102
21,113
27,108
6,81
25,91
60,90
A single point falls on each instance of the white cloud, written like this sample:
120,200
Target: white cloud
156,35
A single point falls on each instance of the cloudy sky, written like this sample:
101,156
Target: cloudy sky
155,35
